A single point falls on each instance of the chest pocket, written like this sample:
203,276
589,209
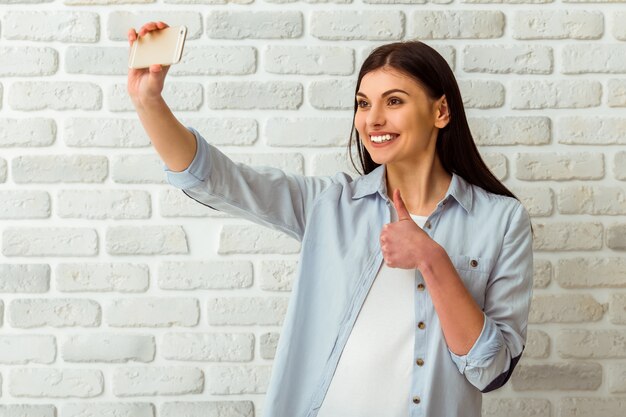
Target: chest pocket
474,272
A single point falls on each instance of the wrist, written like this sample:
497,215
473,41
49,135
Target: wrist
429,256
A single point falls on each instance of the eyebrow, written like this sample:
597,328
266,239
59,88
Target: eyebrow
395,90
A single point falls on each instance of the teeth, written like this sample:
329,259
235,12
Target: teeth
381,139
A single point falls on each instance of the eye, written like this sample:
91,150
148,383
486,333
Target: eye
397,99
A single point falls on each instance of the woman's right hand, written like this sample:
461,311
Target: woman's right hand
146,84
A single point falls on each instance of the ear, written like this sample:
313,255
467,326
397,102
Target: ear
442,113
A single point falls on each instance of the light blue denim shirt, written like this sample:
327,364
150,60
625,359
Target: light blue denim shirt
338,220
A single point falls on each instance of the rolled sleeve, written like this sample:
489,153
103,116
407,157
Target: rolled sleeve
199,169
490,362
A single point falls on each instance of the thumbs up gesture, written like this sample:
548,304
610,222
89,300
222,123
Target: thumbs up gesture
403,243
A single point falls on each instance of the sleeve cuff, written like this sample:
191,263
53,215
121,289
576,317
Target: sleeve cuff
199,169
487,345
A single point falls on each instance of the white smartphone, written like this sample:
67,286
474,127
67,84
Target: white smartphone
163,46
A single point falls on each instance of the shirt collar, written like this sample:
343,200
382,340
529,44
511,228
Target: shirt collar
373,182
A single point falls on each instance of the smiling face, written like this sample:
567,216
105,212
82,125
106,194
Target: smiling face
391,102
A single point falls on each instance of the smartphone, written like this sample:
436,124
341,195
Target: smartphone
163,46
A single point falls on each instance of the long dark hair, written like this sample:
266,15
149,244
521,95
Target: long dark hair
455,145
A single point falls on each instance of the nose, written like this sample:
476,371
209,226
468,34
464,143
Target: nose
375,116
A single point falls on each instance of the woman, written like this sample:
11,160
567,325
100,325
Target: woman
415,279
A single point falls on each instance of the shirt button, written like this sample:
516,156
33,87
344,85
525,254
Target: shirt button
421,325
474,263
416,399
419,362
420,287
427,225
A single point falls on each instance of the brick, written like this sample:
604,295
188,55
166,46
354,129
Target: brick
558,166
619,31
24,204
447,52
102,277
96,132
593,58
336,94
263,95
616,92
24,278
49,241
231,131
537,345
557,24
238,379
22,349
119,22
277,275
594,130
153,312
308,60
542,273
498,131
585,199
457,24
54,95
497,164
617,308
28,132
213,347
308,132
19,410
592,406
565,308
59,168
508,59
268,344
3,170
345,25
591,272
330,163
134,381
591,344
179,97
111,348
103,204
96,60
238,408
617,378
567,236
255,239
146,240
548,94
564,376
537,200
254,25
516,407
292,162
60,312
245,311
56,383
205,275
138,169
27,61
216,60
174,203
480,94
616,236
107,409
52,26
619,165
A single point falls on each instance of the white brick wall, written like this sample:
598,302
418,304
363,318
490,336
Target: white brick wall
121,296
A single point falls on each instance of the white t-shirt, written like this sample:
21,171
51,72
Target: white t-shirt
373,376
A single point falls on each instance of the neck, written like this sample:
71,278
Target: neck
422,183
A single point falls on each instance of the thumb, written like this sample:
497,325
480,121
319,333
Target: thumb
403,213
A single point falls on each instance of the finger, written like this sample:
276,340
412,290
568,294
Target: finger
150,26
403,213
155,68
132,36
162,25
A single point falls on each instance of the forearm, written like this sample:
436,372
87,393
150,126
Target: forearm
460,316
173,142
